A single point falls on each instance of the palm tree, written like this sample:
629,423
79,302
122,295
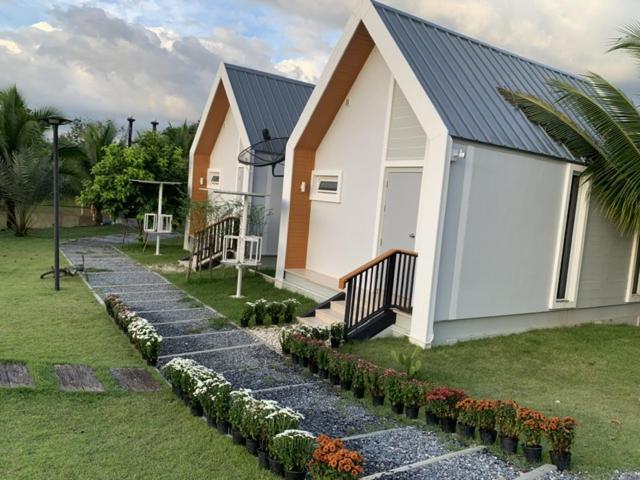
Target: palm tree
21,128
601,125
181,136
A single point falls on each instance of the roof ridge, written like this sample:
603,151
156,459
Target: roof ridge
281,78
480,43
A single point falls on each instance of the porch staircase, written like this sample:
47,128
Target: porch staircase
208,244
371,296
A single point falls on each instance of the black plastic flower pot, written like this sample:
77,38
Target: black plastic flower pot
377,399
431,418
244,323
286,350
259,321
561,460
532,453
263,459
358,392
276,467
252,446
293,475
335,343
152,362
295,359
411,411
335,379
305,362
345,384
196,410
211,422
313,367
508,444
397,408
488,436
466,431
237,437
323,373
448,425
223,426
275,320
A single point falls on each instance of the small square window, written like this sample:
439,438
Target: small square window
326,185
213,178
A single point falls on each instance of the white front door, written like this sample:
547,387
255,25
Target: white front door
400,209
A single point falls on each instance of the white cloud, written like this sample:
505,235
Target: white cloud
11,46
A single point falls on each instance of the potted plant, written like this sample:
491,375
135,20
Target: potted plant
506,412
359,378
337,334
285,340
412,394
561,432
531,424
334,367
274,423
467,417
220,405
394,391
486,413
237,411
290,307
442,402
294,449
246,315
322,361
347,368
275,309
260,310
331,460
376,384
313,346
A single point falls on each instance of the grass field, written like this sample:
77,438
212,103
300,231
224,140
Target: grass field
50,434
215,289
591,372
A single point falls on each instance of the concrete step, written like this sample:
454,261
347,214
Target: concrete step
328,316
313,322
339,307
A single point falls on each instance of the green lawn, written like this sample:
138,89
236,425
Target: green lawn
591,372
50,434
216,287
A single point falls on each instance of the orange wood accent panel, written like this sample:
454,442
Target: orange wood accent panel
300,209
345,74
210,131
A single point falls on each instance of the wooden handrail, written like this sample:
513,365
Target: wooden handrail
345,278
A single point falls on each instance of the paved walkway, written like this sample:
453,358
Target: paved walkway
391,449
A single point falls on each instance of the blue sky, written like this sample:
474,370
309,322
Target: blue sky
156,59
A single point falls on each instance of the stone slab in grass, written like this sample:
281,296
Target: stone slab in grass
235,358
14,375
326,412
183,328
189,313
134,379
77,378
474,466
162,305
206,341
151,295
124,278
267,377
390,449
136,289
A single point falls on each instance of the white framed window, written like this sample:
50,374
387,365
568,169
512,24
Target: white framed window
572,227
240,176
326,185
213,178
633,283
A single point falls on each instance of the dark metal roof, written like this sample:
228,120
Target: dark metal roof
461,75
267,101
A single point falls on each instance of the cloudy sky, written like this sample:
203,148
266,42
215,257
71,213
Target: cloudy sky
156,58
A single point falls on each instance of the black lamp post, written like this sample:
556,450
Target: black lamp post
55,121
130,133
154,125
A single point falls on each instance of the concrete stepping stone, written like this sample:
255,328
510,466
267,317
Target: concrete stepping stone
142,306
162,295
186,327
473,466
14,375
133,278
325,412
134,379
205,341
186,313
389,449
77,378
136,289
234,358
272,376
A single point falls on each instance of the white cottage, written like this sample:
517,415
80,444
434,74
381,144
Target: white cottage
417,201
242,103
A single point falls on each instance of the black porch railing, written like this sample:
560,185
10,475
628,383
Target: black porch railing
378,286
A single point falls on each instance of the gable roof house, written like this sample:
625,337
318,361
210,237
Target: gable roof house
419,202
242,103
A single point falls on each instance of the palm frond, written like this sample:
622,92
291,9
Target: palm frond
630,40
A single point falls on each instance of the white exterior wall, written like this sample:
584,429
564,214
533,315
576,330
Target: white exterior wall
342,235
499,247
224,155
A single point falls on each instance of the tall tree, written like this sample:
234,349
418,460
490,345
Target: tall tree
181,136
600,124
21,129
